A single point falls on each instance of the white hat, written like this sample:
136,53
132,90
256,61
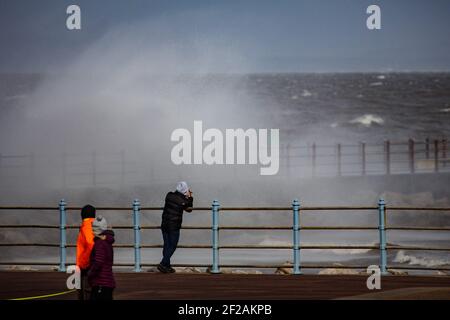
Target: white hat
182,187
99,225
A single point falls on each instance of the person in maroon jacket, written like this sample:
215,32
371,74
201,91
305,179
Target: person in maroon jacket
100,275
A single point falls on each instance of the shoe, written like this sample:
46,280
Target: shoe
163,269
171,270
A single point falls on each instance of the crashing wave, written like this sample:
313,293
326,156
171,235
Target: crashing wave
402,257
368,120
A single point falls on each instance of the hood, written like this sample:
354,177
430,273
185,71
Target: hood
109,236
87,211
182,187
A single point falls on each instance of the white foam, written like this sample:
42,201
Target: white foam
367,120
376,84
445,110
306,93
402,257
381,77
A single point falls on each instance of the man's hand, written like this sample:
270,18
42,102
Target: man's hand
189,193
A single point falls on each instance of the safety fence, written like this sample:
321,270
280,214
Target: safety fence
90,168
296,228
389,157
296,160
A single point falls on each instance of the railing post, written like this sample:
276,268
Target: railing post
427,148
215,237
436,156
137,235
62,236
296,236
382,231
339,160
314,159
387,150
444,152
411,155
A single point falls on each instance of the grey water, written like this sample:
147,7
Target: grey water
330,106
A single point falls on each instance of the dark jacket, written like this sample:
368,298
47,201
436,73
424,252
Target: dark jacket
102,259
175,204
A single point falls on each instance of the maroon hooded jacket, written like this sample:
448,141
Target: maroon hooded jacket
102,258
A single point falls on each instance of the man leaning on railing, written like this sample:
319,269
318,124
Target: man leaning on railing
172,218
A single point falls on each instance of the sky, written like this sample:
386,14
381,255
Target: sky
273,36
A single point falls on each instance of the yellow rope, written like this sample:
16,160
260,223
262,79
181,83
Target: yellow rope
46,296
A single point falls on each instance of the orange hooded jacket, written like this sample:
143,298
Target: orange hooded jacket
85,243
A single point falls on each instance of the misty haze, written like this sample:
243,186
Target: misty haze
96,128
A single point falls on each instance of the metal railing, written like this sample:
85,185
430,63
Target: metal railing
389,157
296,228
311,160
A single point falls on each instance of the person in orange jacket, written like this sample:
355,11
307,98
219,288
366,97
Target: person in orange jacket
85,243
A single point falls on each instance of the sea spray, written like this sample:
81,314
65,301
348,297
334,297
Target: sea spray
402,257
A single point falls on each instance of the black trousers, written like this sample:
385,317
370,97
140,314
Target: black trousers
170,238
101,293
